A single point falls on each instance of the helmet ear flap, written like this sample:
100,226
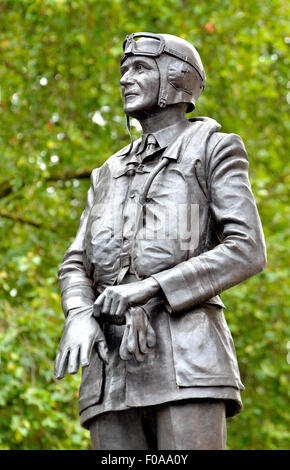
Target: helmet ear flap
178,75
179,82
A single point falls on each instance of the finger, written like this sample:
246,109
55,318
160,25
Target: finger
56,363
60,370
123,351
128,317
85,353
132,340
103,351
114,306
123,348
98,305
122,307
73,362
142,341
139,356
150,336
107,304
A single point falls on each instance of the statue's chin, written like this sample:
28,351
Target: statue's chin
140,112
132,109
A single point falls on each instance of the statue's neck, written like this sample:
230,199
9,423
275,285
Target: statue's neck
159,118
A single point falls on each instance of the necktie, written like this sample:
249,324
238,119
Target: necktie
151,145
150,148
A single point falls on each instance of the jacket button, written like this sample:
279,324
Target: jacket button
131,172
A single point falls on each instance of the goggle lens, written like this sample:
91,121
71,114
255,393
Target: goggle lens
144,44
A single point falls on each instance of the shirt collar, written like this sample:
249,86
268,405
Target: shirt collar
164,136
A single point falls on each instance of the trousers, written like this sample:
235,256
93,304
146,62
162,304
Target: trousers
184,425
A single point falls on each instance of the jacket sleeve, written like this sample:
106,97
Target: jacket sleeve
75,285
241,252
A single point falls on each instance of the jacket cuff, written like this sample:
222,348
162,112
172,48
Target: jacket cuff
175,288
75,302
187,285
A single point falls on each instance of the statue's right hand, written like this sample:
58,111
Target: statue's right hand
80,333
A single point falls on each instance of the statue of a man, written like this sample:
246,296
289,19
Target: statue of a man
170,223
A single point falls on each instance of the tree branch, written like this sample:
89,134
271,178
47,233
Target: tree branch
5,188
18,218
81,173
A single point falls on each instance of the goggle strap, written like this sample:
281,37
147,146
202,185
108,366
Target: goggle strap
184,58
169,52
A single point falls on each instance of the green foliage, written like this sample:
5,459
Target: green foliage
59,63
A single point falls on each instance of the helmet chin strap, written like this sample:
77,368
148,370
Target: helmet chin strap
163,95
128,127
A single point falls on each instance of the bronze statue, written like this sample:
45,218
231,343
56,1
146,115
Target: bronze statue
170,223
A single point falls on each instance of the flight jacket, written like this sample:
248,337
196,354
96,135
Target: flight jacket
197,234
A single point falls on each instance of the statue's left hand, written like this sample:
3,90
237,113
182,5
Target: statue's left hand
139,337
115,300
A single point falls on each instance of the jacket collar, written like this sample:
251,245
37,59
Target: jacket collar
171,138
164,138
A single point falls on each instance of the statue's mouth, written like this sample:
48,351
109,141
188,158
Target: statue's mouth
130,94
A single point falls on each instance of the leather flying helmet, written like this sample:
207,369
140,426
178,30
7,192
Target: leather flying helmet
182,77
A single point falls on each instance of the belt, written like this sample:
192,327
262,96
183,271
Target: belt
125,262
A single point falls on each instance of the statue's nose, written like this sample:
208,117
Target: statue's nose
126,79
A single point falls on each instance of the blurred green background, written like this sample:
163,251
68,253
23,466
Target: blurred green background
61,116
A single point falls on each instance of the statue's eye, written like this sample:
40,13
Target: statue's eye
139,67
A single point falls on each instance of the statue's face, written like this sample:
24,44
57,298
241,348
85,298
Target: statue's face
140,84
